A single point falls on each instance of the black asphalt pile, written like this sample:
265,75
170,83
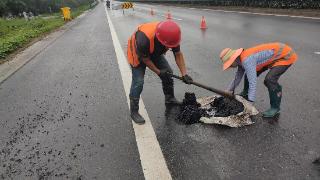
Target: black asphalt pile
226,107
191,110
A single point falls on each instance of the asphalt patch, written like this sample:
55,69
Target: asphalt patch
226,107
317,161
191,110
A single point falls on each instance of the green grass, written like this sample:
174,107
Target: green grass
16,33
79,10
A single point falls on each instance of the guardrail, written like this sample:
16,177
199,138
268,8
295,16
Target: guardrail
284,4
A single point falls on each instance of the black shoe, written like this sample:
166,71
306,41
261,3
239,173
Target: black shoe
134,111
137,118
171,100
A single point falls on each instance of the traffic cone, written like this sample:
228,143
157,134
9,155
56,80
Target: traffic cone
203,24
152,12
169,15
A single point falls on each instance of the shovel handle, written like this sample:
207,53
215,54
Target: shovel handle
217,91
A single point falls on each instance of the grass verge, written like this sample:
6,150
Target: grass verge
18,33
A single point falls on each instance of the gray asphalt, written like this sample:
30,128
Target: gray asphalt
65,115
282,148
62,114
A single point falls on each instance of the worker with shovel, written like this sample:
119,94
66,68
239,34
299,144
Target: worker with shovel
251,62
146,48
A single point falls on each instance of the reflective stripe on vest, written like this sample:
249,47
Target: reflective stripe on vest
278,55
288,56
282,52
132,46
149,30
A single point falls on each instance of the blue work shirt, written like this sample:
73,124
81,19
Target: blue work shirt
248,67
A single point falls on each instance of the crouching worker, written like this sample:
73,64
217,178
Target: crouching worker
146,48
251,62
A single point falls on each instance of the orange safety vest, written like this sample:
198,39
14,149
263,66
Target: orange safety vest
149,29
283,54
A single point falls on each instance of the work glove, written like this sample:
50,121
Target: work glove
187,79
164,74
249,105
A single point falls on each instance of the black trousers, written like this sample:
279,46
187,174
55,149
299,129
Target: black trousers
138,77
271,80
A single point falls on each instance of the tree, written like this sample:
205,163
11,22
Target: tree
37,6
16,6
3,7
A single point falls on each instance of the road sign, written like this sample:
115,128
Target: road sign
127,5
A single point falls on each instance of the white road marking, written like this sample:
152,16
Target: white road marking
153,163
262,14
317,52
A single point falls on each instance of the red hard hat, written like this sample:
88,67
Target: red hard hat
168,33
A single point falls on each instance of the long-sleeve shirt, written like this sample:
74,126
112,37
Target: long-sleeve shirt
248,67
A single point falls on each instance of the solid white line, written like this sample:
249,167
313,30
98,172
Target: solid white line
152,161
317,52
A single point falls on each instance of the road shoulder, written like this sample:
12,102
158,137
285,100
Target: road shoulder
19,59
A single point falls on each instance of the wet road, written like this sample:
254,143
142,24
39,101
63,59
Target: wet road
65,114
280,149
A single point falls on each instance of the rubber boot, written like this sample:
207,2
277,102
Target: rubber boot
275,101
245,90
134,111
171,100
169,96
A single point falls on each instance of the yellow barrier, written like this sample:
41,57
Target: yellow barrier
66,12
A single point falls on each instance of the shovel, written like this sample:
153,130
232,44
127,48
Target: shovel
217,91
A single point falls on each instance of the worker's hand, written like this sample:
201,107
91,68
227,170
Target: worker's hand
242,99
249,105
231,92
187,79
251,102
164,74
244,95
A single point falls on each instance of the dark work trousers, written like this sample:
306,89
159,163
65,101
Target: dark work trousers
271,80
138,77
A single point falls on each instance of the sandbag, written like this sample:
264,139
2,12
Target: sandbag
238,120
